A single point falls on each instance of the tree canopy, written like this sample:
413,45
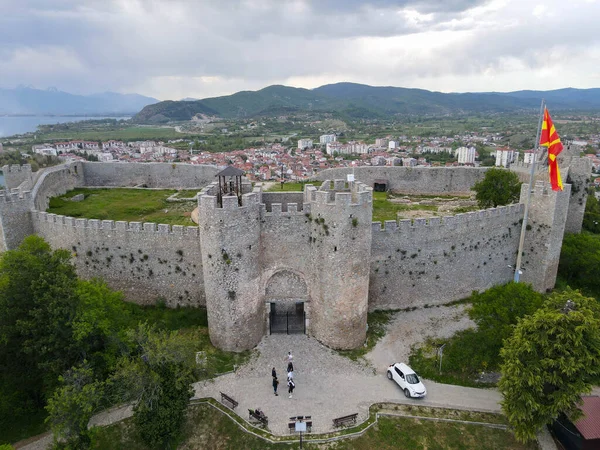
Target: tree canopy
550,361
498,187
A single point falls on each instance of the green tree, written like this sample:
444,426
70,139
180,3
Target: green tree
591,217
498,187
550,361
496,312
158,377
580,262
37,290
71,407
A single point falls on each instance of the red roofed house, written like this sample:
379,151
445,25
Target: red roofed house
584,434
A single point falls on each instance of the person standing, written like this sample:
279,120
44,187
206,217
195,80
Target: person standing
273,373
291,386
275,384
290,359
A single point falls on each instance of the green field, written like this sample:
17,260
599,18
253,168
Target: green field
132,205
290,186
207,428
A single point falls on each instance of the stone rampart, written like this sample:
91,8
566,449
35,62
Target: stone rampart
152,175
56,181
437,260
18,176
413,180
15,223
144,260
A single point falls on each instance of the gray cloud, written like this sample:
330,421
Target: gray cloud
177,48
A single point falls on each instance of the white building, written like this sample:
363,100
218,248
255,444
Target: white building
305,143
392,145
113,144
528,156
327,138
105,157
381,142
505,157
46,151
466,155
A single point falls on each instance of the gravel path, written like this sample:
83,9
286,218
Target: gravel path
413,327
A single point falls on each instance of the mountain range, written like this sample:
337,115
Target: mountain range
28,100
363,101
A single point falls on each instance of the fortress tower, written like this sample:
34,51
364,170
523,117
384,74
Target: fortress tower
340,250
543,239
230,242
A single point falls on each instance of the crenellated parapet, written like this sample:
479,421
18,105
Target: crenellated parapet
109,226
473,219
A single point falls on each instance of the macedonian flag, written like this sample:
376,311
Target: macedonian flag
550,138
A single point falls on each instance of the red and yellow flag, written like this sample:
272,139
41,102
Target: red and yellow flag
550,138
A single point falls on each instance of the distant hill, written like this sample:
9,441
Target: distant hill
27,100
359,100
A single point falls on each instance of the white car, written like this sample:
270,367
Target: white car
407,379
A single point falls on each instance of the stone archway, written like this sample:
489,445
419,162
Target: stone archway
286,297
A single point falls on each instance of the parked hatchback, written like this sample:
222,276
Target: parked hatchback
407,379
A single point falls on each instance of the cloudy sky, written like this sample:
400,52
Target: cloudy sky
171,49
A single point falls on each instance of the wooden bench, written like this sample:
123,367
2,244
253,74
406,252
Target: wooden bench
346,420
262,419
227,399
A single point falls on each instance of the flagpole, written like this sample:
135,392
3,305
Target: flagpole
526,214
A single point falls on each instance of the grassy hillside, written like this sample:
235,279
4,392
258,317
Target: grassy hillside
362,101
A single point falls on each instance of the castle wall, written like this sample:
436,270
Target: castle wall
145,261
153,175
230,240
283,198
414,180
579,175
439,260
15,220
339,258
543,240
15,176
56,181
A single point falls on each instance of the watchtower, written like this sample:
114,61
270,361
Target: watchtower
230,184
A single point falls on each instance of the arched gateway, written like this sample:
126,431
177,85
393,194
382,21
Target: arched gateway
286,297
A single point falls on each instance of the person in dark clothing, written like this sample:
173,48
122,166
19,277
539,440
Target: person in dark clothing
273,373
275,384
291,386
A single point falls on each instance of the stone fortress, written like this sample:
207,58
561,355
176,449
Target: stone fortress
316,249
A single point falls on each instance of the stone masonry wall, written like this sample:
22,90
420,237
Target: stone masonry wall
15,176
579,175
340,245
153,175
543,239
56,181
145,261
15,220
414,180
439,260
230,240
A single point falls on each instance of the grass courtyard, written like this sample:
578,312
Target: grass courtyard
131,205
146,205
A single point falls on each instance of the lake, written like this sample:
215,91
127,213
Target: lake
11,125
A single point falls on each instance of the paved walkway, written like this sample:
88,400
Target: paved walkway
327,386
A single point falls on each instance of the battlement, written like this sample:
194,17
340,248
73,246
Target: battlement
465,219
15,168
15,195
339,193
285,209
116,226
208,198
